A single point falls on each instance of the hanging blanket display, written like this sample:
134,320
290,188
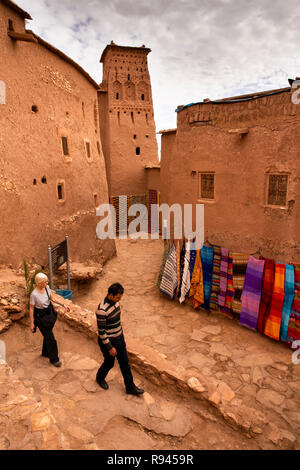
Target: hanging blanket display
266,296
252,293
294,322
215,285
239,266
207,258
197,288
264,293
289,292
273,321
223,277
168,283
186,276
230,289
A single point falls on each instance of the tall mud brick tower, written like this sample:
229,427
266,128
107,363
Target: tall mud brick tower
127,120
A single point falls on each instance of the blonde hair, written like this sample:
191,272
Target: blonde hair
40,278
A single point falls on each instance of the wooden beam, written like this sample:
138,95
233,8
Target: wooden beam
21,36
239,131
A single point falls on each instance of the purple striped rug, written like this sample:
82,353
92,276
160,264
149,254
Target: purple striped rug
223,276
252,293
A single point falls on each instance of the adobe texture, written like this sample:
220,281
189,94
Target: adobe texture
45,194
242,143
126,119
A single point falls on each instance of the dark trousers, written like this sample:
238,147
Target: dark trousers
49,348
122,357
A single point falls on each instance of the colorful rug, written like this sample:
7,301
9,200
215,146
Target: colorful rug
239,267
197,285
223,277
252,293
207,257
266,295
215,285
289,292
273,320
294,322
230,289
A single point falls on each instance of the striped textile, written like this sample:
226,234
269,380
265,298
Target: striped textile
178,251
273,321
230,289
239,266
168,283
207,258
181,262
294,322
252,293
123,214
197,287
108,315
192,261
215,286
186,277
266,295
289,292
165,256
223,277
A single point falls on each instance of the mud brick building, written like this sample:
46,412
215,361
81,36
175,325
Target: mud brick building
240,157
58,150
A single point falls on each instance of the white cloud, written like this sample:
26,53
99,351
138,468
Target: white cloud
200,48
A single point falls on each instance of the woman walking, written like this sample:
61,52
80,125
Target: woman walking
42,316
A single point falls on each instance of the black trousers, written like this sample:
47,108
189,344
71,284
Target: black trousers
109,361
49,348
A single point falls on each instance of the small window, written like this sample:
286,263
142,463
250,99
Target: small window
207,185
128,76
134,136
10,25
61,190
65,147
34,182
98,147
117,96
277,190
132,118
34,108
96,199
143,97
88,149
138,151
44,180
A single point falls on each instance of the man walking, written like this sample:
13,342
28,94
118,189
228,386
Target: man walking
111,340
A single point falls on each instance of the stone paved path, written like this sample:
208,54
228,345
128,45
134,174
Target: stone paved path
249,374
42,407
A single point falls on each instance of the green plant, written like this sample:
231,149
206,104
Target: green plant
30,279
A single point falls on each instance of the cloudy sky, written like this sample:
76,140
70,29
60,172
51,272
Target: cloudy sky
200,48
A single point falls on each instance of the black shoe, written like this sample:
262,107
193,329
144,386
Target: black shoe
102,384
135,391
56,364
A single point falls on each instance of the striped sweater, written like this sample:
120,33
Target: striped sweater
108,317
